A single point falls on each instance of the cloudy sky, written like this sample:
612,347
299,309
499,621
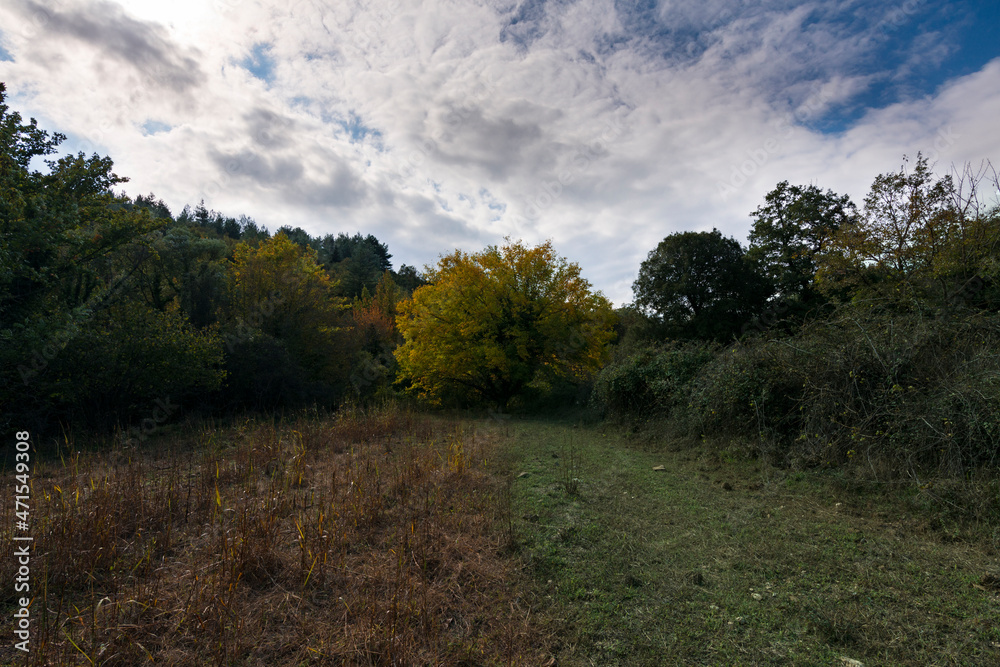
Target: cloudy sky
444,124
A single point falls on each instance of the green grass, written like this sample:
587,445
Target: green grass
729,563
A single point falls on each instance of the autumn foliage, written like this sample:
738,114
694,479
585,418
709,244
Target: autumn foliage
493,325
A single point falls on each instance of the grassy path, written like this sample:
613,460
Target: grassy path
708,563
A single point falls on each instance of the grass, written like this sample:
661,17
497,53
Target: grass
362,539
709,562
392,538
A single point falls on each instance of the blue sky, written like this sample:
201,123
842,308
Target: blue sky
442,124
259,62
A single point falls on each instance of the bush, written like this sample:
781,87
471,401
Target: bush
649,381
748,392
904,395
123,360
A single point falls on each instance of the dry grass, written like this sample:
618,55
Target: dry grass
364,539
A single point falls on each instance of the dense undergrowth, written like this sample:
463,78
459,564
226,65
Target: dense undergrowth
890,396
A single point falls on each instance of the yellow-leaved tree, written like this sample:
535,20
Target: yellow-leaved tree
283,304
494,324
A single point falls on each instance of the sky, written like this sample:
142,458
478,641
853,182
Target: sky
600,125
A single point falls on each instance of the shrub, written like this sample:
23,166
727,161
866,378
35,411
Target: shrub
904,393
649,381
748,392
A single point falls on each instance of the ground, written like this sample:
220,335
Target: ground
399,538
644,555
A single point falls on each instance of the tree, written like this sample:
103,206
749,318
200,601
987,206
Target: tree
408,278
356,262
186,269
492,325
297,235
76,337
374,319
279,291
129,357
157,207
375,316
919,240
700,285
793,226
252,232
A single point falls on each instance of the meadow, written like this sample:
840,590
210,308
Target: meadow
388,537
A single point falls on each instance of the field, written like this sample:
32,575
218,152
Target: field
362,539
393,538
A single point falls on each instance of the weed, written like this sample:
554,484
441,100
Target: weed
570,467
351,539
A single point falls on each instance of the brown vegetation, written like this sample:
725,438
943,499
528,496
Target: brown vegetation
365,539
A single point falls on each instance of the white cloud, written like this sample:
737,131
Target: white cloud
444,124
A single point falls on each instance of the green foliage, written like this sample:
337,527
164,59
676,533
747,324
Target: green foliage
184,269
896,378
748,393
128,357
700,285
921,243
408,278
650,381
363,267
793,226
634,330
905,392
279,290
374,330
108,303
905,395
73,333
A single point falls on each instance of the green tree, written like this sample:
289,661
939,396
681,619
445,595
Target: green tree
356,262
186,269
127,358
491,326
920,241
790,230
278,291
68,253
700,285
408,278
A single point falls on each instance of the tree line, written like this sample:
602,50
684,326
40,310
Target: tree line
839,332
917,242
842,333
112,307
115,313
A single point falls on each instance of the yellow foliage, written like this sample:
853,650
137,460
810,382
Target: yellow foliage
491,324
281,290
